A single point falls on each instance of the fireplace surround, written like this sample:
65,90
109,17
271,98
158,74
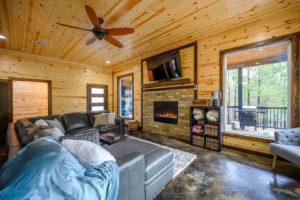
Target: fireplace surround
166,112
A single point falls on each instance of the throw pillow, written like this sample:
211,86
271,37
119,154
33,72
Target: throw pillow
90,155
101,120
111,118
55,132
40,123
56,123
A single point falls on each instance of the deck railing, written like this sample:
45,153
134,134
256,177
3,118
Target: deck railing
265,117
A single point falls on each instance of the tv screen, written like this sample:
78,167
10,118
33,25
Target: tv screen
164,67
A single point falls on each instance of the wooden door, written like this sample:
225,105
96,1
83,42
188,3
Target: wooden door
96,97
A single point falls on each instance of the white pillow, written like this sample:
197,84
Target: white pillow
55,132
56,123
90,155
40,123
111,118
101,120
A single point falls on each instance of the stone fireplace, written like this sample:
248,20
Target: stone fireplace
160,109
166,112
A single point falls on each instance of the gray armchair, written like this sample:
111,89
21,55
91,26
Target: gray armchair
287,146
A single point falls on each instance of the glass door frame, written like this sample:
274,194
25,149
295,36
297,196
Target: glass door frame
89,96
132,95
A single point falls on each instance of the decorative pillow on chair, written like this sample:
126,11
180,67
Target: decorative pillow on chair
56,123
111,118
101,120
90,155
40,123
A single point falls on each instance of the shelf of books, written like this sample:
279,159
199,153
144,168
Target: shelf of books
206,127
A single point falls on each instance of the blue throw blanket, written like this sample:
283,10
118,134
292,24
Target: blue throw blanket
45,169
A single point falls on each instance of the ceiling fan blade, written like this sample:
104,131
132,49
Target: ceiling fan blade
91,40
69,26
114,42
92,15
119,31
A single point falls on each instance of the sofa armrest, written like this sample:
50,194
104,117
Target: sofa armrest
13,143
288,136
121,122
132,177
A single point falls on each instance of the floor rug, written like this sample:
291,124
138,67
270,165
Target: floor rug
182,159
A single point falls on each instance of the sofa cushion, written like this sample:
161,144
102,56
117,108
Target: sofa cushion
288,152
108,128
75,121
156,158
49,117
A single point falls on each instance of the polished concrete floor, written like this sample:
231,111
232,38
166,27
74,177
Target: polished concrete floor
231,175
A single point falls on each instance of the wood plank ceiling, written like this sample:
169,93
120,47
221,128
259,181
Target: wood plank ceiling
158,23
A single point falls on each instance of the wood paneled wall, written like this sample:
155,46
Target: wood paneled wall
30,99
69,79
209,48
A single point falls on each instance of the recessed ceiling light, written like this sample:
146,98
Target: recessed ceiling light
261,49
107,62
2,37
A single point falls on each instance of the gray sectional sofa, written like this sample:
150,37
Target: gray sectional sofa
287,146
144,168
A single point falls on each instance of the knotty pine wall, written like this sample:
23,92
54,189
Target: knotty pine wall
30,99
69,80
209,48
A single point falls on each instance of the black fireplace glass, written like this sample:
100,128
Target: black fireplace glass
166,112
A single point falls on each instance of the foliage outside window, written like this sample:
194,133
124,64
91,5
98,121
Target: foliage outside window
257,90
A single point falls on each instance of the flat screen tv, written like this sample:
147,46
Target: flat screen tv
164,67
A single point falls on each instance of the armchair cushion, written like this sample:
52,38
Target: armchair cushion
288,136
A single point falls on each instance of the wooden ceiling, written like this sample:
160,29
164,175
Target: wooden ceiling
159,24
258,56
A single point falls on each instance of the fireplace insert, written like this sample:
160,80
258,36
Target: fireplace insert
166,112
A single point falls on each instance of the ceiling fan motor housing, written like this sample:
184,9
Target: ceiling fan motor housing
100,33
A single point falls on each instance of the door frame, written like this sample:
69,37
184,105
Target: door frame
88,95
35,80
10,99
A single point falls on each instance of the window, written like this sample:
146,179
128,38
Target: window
125,96
96,97
257,89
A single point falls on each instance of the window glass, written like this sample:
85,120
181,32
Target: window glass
126,96
257,90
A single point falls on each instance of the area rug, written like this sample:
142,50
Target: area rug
182,159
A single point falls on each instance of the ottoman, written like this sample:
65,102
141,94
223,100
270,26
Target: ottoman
158,163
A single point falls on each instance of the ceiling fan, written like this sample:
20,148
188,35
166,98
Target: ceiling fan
99,32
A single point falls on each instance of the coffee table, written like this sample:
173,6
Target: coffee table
107,138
